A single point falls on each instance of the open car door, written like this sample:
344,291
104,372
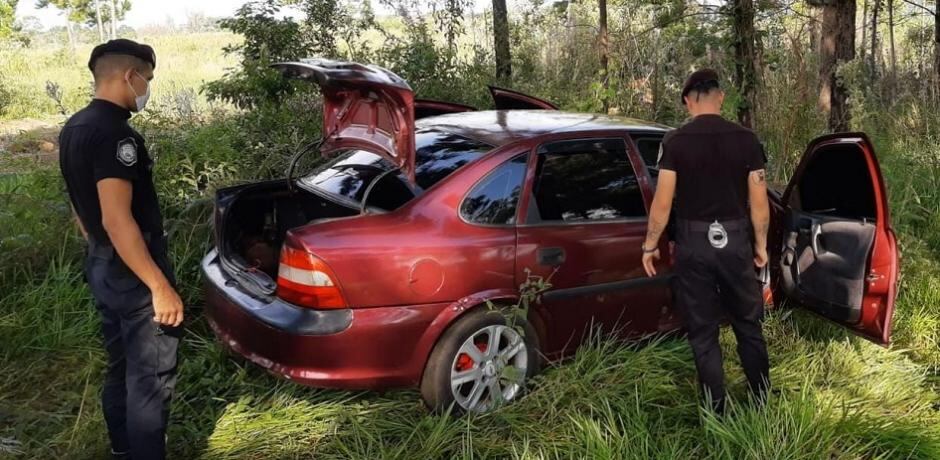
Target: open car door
365,107
838,254
507,99
429,108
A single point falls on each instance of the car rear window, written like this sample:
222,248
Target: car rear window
438,155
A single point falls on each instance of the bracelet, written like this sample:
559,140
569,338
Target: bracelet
648,251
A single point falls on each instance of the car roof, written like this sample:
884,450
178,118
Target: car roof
499,127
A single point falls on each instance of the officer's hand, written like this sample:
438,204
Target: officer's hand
760,256
167,306
648,259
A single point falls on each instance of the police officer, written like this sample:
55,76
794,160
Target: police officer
107,173
715,168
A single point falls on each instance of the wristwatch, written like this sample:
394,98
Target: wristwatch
647,251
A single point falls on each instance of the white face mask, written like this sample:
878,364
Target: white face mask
141,100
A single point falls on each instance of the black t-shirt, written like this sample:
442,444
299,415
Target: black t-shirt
97,143
712,158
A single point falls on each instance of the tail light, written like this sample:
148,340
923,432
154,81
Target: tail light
305,280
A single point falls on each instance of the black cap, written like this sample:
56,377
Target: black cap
700,80
125,47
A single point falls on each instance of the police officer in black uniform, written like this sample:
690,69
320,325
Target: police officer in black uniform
107,173
715,169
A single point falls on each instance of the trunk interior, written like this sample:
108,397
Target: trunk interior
254,220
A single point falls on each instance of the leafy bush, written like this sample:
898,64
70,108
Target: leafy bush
433,70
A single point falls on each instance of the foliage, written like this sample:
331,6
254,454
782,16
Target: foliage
185,62
434,71
530,293
6,96
269,39
85,10
7,20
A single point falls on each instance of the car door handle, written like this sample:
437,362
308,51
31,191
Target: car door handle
551,257
814,237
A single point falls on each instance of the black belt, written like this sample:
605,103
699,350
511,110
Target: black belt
702,226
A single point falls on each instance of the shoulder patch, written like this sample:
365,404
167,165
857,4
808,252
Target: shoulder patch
127,151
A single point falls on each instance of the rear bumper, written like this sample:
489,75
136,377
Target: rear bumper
273,312
371,348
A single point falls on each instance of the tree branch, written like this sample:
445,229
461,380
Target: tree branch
677,19
909,2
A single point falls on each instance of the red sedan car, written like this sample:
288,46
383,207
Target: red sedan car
375,269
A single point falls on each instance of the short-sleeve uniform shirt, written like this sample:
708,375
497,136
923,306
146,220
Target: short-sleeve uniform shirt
712,158
97,143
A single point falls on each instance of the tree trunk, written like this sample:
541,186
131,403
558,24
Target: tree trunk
604,51
501,41
745,72
98,17
814,26
68,28
872,64
936,46
837,47
864,31
113,20
894,58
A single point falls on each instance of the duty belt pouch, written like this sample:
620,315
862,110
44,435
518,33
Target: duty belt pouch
717,235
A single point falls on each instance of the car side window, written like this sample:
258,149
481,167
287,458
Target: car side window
649,149
586,180
493,200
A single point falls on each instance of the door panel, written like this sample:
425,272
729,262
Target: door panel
591,286
584,224
824,261
838,255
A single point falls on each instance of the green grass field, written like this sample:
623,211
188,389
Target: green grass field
184,64
839,397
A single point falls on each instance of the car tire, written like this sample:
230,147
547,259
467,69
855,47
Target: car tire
442,385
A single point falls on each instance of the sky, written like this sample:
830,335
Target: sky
142,12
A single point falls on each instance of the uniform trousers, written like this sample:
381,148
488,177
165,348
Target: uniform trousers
142,354
712,285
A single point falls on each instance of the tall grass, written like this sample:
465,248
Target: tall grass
183,62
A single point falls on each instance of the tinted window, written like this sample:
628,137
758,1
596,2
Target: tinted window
649,149
438,154
494,199
586,180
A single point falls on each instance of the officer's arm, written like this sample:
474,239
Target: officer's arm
124,233
760,208
661,207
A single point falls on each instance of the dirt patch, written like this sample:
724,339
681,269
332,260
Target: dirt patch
28,143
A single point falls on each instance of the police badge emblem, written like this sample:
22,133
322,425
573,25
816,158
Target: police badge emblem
127,151
717,235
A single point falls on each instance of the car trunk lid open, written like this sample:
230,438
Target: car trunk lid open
365,107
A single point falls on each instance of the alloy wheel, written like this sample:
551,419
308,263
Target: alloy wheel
489,368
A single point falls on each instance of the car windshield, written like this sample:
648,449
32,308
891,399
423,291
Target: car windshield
348,174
